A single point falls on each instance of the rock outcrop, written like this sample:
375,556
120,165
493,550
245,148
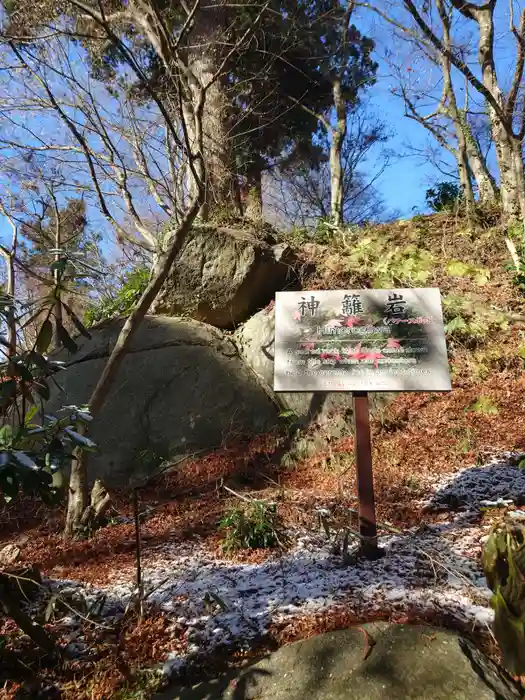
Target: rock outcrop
181,389
223,275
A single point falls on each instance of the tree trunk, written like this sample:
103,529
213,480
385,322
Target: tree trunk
78,491
336,180
486,186
509,188
338,134
501,130
204,63
78,494
463,169
519,177
11,318
454,113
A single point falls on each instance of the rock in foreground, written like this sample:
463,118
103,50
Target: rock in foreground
403,663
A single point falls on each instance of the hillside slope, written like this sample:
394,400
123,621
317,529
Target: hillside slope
420,435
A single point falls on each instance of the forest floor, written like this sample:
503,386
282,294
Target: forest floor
455,473
446,468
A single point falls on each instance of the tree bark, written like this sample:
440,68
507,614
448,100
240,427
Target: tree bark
511,172
509,194
11,318
338,134
453,111
57,311
217,146
486,187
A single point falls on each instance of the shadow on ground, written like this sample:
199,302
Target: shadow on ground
471,487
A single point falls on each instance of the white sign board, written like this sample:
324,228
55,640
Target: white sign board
360,340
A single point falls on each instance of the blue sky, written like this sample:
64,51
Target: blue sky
405,181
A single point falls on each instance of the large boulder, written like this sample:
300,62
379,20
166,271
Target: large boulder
181,389
255,342
222,275
374,662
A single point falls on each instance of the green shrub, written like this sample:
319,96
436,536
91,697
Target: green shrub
504,568
469,319
458,268
123,301
254,526
444,196
385,264
485,406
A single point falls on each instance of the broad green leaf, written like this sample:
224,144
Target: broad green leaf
30,414
80,440
42,389
40,361
76,321
6,434
59,265
25,460
66,340
44,337
290,413
7,389
58,479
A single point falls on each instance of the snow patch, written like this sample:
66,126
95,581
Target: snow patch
211,601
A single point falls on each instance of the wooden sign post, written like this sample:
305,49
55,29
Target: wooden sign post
361,341
364,473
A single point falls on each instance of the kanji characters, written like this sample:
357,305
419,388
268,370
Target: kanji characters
310,306
352,305
395,305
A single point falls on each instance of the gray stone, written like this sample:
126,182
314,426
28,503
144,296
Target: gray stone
255,341
222,275
181,389
405,663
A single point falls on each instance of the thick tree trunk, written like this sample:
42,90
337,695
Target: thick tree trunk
509,173
502,134
78,493
336,180
204,62
486,186
217,142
